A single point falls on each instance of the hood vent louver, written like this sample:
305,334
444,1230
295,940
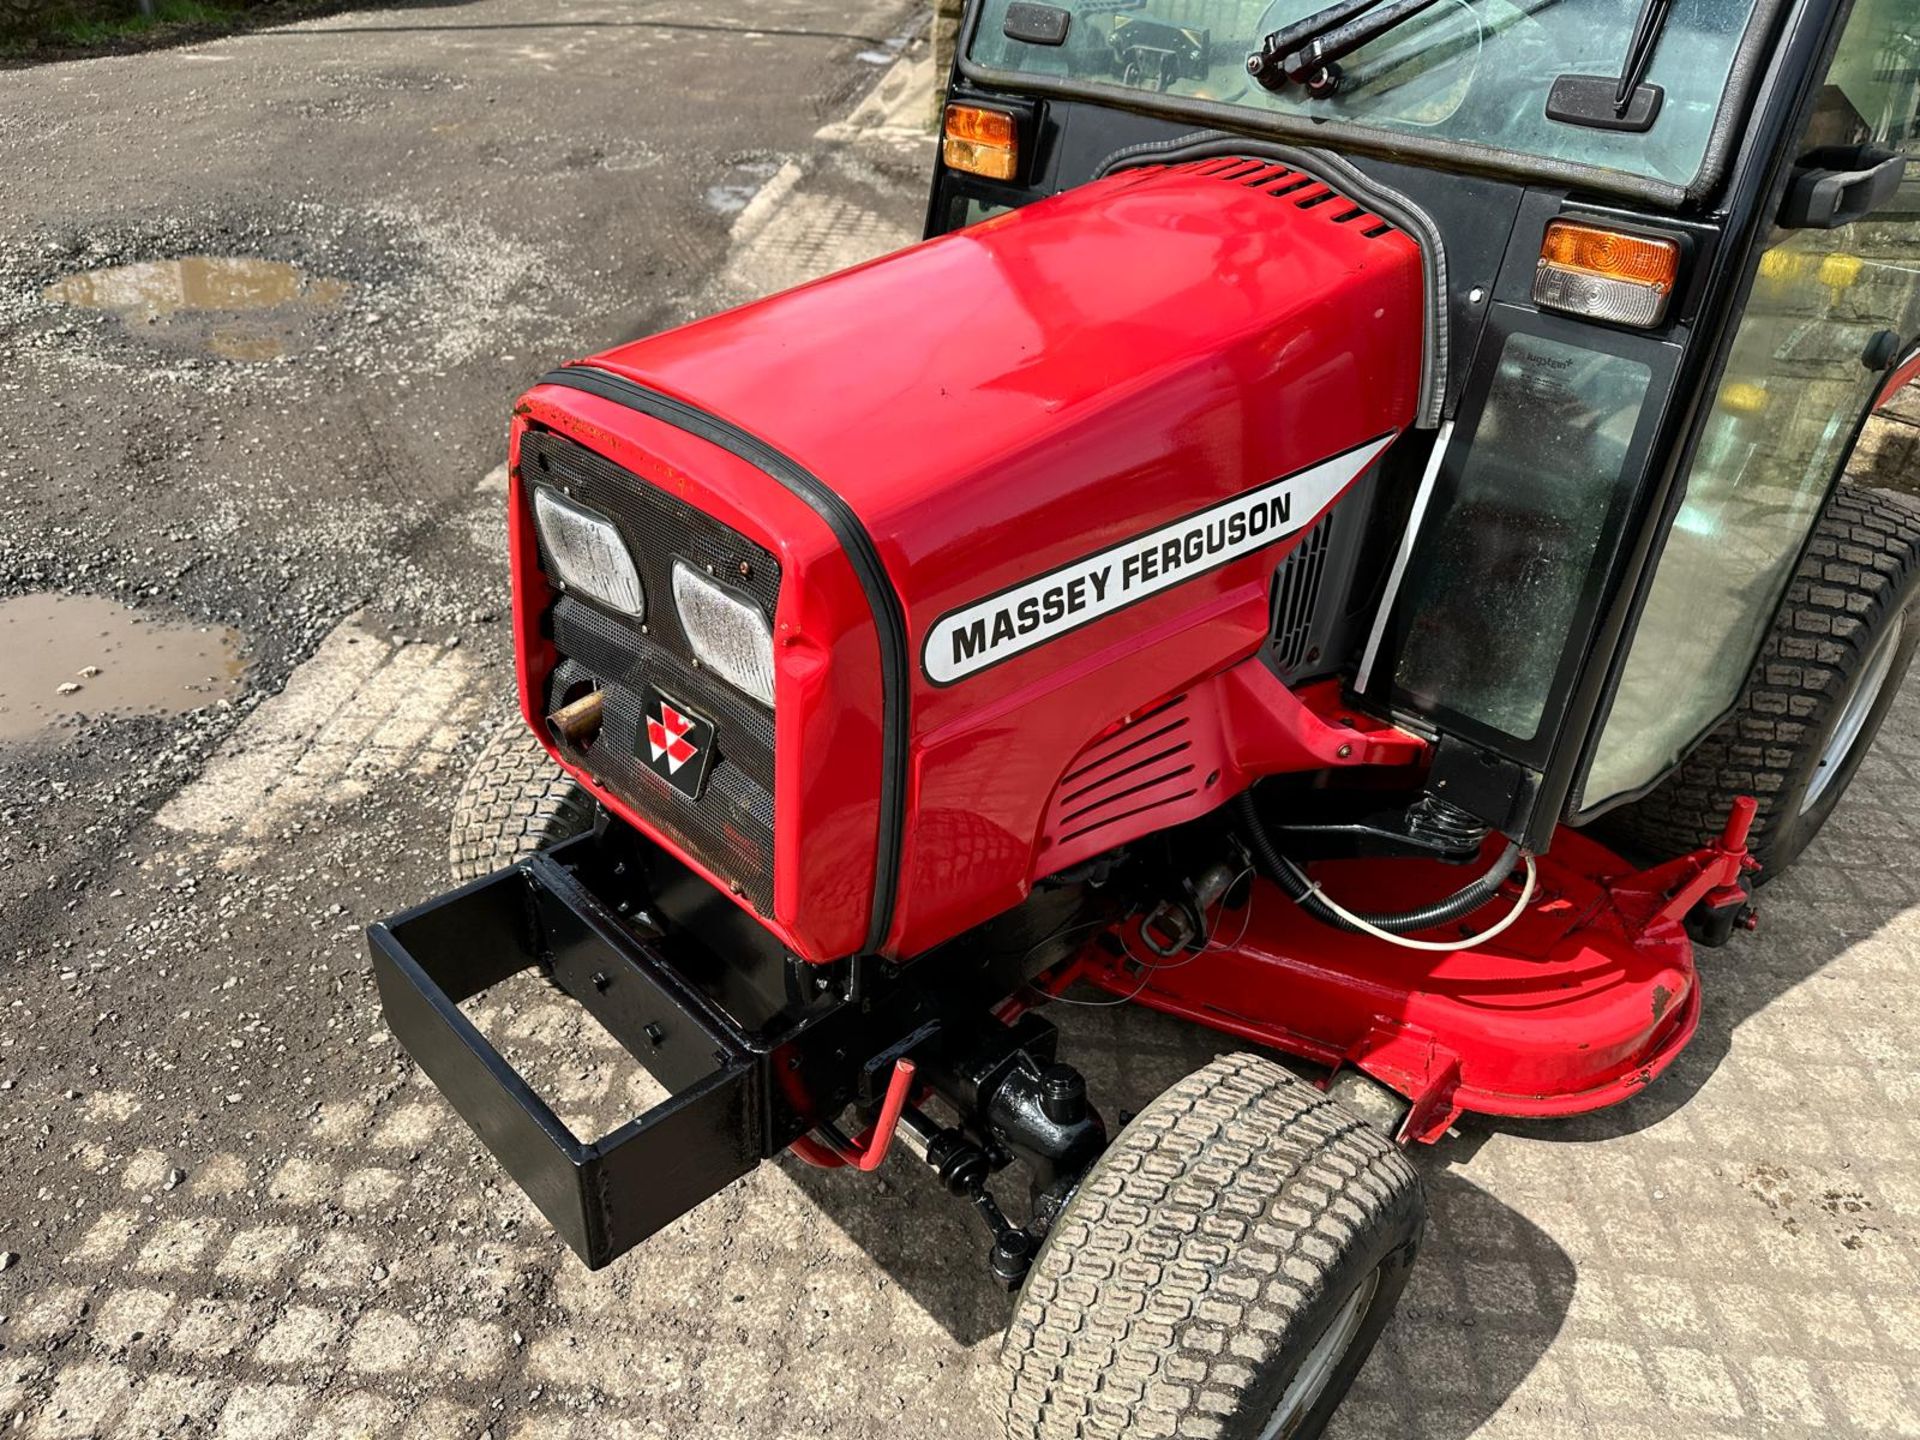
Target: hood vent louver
1296,597
1285,183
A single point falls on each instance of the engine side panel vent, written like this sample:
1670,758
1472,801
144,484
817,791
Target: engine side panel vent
1113,787
1296,597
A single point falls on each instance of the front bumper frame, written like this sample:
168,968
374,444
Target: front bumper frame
721,1118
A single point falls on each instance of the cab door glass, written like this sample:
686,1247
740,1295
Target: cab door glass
1503,576
1782,421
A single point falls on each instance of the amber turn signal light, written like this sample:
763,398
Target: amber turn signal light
1606,274
981,142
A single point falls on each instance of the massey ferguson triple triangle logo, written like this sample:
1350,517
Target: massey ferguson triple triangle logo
676,744
667,738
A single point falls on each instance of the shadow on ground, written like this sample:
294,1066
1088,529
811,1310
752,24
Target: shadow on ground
1487,1299
1493,1289
1842,892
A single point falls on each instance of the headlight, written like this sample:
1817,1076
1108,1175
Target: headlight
587,553
728,633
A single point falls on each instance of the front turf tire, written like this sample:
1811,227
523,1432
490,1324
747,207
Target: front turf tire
515,802
1235,1253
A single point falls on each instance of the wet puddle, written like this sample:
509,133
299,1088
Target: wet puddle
67,654
235,306
739,185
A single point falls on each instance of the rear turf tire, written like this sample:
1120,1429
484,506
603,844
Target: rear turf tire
1233,1255
1828,672
515,802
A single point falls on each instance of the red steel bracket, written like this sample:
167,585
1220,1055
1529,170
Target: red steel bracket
1668,892
869,1148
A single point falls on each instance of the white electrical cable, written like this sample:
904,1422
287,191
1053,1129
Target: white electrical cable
1442,946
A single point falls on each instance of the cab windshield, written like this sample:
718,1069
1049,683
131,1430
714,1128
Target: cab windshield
1473,72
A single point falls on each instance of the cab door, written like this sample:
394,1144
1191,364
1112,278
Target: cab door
1834,303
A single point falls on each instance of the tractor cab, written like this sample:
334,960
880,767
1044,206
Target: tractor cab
1671,255
1337,534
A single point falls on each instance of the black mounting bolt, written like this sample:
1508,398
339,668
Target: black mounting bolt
600,980
654,1034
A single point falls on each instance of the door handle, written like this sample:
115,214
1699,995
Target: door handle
1837,185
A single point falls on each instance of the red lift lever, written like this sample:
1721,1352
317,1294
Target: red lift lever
870,1147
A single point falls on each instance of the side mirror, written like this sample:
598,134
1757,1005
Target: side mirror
1837,185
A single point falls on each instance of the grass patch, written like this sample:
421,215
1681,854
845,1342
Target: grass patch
87,29
36,31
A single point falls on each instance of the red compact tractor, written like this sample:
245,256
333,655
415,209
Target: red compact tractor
1336,535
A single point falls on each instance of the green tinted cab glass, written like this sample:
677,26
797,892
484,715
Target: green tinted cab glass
1471,72
1782,423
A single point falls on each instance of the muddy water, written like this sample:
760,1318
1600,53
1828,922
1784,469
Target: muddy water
199,282
254,305
238,342
139,665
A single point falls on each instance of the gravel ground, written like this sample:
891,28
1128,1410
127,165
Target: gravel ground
229,1206
496,193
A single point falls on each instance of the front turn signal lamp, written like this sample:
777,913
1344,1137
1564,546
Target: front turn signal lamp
1606,274
981,142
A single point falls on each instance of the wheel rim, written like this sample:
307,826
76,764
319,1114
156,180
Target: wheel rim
1310,1381
1854,718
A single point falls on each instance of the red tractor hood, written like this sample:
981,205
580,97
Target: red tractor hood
1079,436
1002,400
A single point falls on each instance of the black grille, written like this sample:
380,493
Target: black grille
730,827
1308,192
1296,596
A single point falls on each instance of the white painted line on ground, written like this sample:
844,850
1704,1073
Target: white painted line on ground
896,113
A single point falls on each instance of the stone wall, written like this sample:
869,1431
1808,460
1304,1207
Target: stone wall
946,36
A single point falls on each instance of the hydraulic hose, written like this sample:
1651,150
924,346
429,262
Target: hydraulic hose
1284,873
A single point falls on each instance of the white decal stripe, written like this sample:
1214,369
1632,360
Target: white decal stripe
1414,520
1062,600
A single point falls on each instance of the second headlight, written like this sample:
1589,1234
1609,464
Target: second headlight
728,633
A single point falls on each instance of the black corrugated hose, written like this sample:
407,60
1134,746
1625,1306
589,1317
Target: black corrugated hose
1284,873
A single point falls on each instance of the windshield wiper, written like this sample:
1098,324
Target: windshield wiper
1601,102
1307,51
1647,26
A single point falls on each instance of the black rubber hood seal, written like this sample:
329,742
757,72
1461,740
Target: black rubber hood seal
1333,171
889,618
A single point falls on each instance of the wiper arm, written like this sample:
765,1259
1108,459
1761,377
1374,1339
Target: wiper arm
1647,26
1601,102
1305,52
1297,34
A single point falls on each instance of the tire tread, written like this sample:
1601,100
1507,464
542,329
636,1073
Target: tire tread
1181,1265
1860,566
516,801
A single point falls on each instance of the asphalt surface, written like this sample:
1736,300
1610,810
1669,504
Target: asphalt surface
228,1205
